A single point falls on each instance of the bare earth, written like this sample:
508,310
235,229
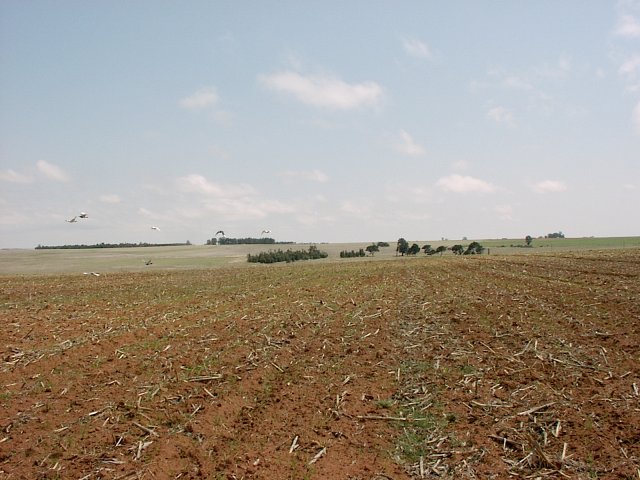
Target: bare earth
474,367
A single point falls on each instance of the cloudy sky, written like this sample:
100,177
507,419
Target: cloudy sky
322,121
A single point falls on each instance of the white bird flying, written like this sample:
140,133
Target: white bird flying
155,228
84,215
265,231
95,274
72,220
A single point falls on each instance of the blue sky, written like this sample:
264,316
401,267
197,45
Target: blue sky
321,121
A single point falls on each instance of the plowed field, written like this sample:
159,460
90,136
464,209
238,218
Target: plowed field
465,367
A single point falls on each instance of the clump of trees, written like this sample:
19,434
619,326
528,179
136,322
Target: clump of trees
313,253
474,248
554,235
352,253
430,251
374,247
403,248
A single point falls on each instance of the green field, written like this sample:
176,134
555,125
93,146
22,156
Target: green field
105,260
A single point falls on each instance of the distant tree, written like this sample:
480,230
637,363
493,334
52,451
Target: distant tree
555,235
427,249
372,249
382,244
441,249
402,246
457,249
528,239
413,249
474,248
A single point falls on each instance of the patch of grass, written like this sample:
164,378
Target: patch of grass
412,444
467,369
98,361
386,403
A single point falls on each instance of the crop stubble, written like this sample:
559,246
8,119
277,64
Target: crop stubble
483,367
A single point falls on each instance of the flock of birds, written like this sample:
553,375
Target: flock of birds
75,219
86,215
146,262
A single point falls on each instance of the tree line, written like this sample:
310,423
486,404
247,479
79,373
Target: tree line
403,248
110,245
243,241
352,253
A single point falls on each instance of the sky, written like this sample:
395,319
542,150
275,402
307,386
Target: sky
319,120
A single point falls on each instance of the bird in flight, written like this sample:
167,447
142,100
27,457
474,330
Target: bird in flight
84,215
155,228
148,262
95,274
220,232
72,220
265,231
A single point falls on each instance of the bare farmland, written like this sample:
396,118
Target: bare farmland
482,367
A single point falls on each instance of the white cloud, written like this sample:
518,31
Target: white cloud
636,118
460,165
324,91
145,212
549,186
110,198
501,115
311,175
12,219
15,177
564,64
230,201
313,219
403,193
633,88
203,98
408,146
359,210
243,208
195,183
517,83
51,171
505,212
416,48
630,67
628,26
561,69
464,184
